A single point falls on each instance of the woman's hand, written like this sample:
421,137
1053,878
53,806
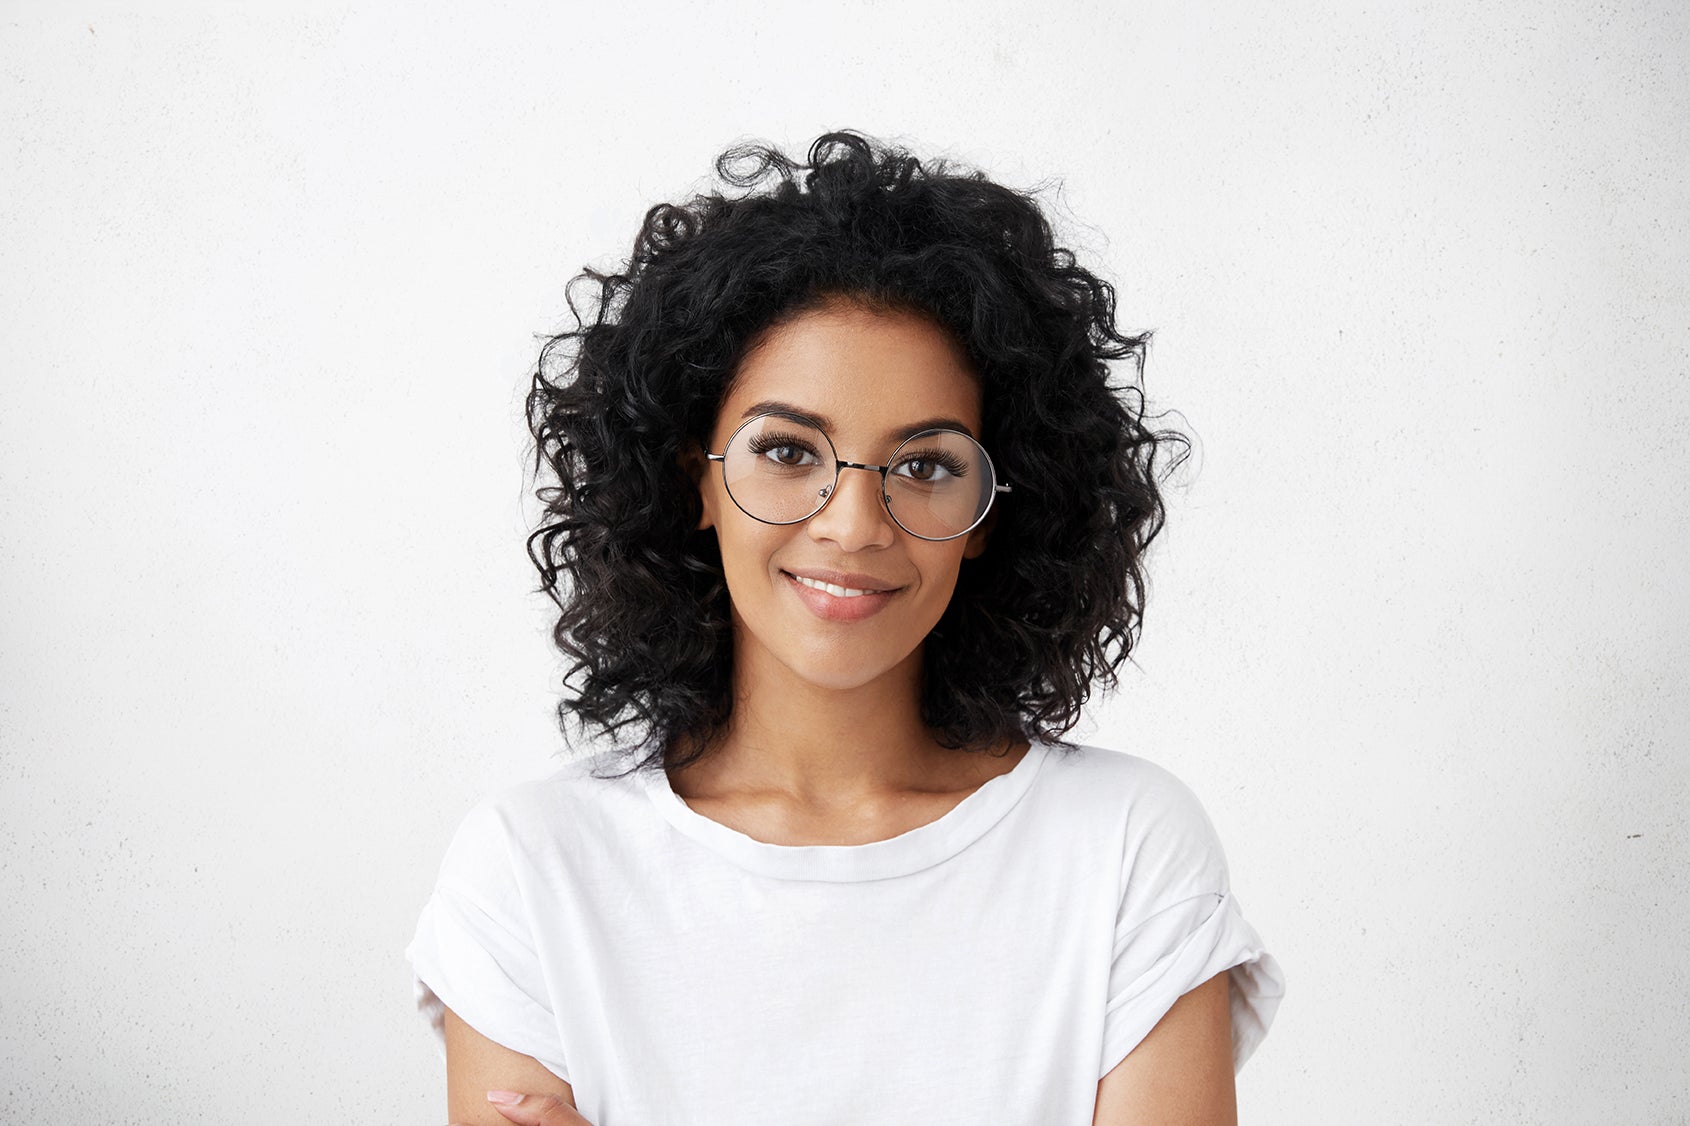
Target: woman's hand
534,1110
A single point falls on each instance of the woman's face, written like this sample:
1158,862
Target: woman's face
868,376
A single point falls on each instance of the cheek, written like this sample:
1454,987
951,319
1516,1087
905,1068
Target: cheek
939,570
746,544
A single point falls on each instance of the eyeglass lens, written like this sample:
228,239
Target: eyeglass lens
782,471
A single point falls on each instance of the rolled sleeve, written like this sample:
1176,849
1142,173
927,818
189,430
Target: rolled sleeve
473,951
1178,925
1174,951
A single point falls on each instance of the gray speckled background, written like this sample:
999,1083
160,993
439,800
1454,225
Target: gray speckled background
1419,632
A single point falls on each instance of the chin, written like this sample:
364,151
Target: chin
836,671
834,677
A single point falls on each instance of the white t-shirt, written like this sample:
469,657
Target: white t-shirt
990,966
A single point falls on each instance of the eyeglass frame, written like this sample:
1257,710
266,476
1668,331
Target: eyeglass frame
840,463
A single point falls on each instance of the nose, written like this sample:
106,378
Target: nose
854,516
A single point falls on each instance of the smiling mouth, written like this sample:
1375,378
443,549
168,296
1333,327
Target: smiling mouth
836,591
835,603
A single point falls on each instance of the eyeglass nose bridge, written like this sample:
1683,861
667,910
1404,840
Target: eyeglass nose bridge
827,490
880,469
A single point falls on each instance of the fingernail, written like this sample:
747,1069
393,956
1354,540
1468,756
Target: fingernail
504,1098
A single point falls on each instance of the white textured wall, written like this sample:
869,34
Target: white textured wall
269,286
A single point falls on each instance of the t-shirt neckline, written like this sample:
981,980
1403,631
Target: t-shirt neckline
908,852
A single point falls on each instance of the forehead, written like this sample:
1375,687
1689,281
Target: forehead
870,374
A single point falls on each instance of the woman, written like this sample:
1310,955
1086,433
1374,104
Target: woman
848,519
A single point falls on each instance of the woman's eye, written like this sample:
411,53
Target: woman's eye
787,455
922,469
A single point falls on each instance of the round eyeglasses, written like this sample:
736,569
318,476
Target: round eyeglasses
937,485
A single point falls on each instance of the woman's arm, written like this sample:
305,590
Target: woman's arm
476,1065
1181,1073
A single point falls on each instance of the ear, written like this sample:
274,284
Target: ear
978,537
694,464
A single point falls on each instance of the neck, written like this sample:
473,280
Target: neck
823,747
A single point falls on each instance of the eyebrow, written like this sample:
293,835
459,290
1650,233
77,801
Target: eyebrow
822,422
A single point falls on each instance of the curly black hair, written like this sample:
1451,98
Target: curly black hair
1057,599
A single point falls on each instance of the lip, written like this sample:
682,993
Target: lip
856,580
833,607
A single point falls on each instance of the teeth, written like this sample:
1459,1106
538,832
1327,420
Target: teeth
836,591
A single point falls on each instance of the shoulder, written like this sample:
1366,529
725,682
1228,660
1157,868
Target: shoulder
1129,786
584,796
1162,830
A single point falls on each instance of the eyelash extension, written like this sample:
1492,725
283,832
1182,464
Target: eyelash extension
949,461
952,464
766,441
